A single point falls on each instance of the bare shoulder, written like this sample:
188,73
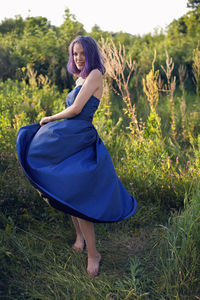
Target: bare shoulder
95,75
96,72
92,85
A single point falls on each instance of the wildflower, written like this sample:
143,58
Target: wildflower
174,187
169,162
191,170
187,165
119,177
131,183
177,160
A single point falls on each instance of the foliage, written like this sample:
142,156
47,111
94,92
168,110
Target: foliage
23,103
42,46
35,41
17,25
179,254
196,68
150,125
116,64
151,165
193,3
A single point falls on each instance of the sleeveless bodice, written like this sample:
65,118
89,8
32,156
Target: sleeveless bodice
89,108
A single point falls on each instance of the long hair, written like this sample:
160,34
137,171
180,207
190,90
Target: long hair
93,59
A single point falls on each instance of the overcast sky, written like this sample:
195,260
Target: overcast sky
135,17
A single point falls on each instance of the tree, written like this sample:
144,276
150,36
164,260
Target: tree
193,4
97,33
71,28
33,24
16,25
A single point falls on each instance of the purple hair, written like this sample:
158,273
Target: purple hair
93,59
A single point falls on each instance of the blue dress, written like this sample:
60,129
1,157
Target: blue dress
69,164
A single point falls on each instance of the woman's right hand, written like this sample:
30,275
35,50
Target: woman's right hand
45,120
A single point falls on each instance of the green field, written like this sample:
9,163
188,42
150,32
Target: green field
149,121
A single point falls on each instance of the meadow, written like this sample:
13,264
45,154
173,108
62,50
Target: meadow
149,122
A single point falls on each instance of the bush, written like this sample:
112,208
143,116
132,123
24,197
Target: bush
24,103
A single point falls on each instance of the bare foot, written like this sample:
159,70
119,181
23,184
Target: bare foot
93,265
79,244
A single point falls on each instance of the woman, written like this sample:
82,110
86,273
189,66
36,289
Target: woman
67,161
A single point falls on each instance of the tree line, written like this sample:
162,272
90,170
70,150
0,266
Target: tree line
34,42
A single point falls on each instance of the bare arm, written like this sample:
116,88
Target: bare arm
91,84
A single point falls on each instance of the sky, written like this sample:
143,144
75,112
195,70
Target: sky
131,16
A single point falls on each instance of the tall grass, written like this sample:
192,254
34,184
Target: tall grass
157,162
196,67
179,254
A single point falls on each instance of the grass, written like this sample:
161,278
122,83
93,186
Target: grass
179,255
152,261
144,257
38,263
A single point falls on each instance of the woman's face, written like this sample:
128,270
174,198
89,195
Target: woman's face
79,56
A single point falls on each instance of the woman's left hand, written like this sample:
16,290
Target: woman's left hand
45,120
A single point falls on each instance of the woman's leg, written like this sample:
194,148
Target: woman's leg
87,228
79,243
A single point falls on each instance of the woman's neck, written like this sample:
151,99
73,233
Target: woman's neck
80,81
